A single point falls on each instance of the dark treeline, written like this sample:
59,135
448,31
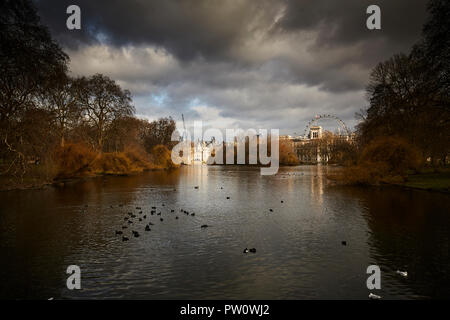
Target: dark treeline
407,123
53,125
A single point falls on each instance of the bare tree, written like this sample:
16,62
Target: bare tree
103,101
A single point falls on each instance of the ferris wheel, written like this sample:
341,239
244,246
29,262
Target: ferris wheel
342,127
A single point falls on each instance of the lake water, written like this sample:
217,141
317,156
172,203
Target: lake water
299,244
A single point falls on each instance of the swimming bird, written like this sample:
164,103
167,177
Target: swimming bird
140,219
228,197
245,250
253,250
151,224
159,213
196,187
145,216
161,219
172,210
135,234
344,243
129,221
125,219
118,232
138,208
374,296
176,218
271,210
204,226
404,274
163,204
193,214
124,227
282,201
147,228
125,238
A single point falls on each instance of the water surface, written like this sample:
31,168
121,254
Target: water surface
299,251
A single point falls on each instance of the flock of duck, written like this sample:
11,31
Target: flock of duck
130,219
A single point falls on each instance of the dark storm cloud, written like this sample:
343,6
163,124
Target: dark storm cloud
211,28
272,63
187,29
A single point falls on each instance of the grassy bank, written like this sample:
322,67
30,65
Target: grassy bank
432,181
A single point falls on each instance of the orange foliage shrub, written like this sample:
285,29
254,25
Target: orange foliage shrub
161,156
73,160
127,162
384,160
287,155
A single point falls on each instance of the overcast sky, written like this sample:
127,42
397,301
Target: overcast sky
247,64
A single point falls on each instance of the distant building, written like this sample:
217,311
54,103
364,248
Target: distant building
201,151
315,147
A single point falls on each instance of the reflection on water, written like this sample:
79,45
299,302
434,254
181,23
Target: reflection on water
299,252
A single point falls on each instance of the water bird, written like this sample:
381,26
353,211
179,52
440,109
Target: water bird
172,210
404,274
163,204
228,197
138,208
159,213
245,250
140,219
125,219
133,216
282,201
253,250
147,228
271,210
140,212
129,221
344,243
161,219
196,187
145,216
124,227
374,296
153,207
151,224
221,187
118,232
204,226
176,218
125,238
193,214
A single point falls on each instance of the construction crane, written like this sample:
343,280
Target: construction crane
184,137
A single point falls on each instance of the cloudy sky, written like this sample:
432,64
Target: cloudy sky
247,64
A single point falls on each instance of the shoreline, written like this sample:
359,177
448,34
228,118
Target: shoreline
62,181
